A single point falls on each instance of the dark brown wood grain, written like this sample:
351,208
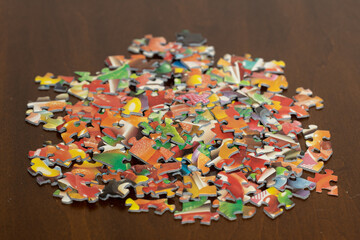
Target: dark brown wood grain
318,40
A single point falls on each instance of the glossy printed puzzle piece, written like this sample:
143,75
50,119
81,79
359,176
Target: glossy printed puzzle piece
44,117
115,160
229,209
323,182
275,83
199,185
237,185
47,80
44,103
317,138
81,185
162,187
311,162
222,155
116,189
304,99
47,174
200,209
273,199
190,39
299,186
72,128
143,205
144,150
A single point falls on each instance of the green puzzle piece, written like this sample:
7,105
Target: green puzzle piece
156,116
204,149
191,205
159,144
284,199
229,210
164,68
122,72
111,141
114,160
170,130
85,76
188,142
147,129
244,112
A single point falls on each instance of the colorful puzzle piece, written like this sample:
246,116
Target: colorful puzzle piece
323,182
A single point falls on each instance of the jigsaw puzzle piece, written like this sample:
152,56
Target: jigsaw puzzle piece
229,210
299,186
223,155
47,174
281,141
303,98
273,177
187,38
116,189
292,166
43,152
65,198
44,103
144,150
238,160
44,117
272,208
122,72
200,209
274,82
65,154
113,102
72,127
143,205
200,160
273,199
97,86
256,162
323,182
249,139
199,185
114,160
138,179
76,89
86,189
150,46
266,118
88,170
169,129
311,162
317,138
291,127
237,185
47,80
156,189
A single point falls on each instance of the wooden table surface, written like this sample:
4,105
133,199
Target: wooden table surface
318,40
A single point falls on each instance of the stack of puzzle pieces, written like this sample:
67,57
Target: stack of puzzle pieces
168,121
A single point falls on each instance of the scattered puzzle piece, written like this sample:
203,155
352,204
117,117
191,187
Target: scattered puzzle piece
323,182
200,209
143,205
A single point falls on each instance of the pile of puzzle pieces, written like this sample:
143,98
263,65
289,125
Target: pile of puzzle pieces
168,121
